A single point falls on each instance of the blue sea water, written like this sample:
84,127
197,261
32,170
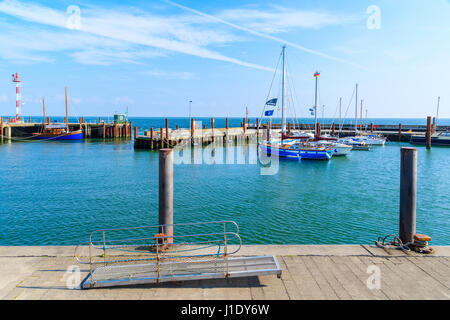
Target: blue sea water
54,193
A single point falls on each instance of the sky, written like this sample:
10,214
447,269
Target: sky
155,56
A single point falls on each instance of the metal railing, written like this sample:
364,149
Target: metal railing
200,242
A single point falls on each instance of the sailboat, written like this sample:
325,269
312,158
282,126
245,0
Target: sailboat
359,140
58,131
293,147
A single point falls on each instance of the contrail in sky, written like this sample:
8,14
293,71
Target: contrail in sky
264,35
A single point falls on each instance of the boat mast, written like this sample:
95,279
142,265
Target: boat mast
437,114
356,110
323,113
340,111
43,106
283,111
366,121
67,119
316,75
361,115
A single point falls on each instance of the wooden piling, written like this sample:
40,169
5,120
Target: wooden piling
136,132
289,128
166,193
192,131
178,127
318,129
131,128
243,121
408,192
371,127
226,124
399,132
116,133
29,120
104,130
167,132
162,138
1,127
428,134
151,139
333,129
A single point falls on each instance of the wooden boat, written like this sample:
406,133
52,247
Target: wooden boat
58,131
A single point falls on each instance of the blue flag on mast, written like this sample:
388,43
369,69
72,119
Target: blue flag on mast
269,113
272,102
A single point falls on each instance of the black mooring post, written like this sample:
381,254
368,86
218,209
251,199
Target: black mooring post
166,192
408,192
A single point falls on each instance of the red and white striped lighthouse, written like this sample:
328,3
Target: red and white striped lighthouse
15,78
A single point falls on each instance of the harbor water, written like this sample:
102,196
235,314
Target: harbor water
55,193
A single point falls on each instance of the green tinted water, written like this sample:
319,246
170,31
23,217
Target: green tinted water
57,193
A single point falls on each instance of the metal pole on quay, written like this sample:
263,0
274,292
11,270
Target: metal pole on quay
408,193
428,134
166,192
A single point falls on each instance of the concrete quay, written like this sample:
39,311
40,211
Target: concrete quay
310,272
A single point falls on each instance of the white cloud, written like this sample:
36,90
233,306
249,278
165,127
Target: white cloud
106,31
124,34
262,34
278,19
169,75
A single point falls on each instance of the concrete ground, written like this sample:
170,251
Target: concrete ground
308,272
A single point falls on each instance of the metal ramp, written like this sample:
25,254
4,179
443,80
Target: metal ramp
195,251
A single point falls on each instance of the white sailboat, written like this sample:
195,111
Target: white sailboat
291,147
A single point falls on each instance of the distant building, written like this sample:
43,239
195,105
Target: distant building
120,118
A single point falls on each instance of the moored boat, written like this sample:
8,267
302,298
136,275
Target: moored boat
340,149
299,151
437,139
58,131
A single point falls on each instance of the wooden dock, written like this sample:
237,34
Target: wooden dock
309,272
171,138
18,131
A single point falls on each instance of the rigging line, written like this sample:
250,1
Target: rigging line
334,116
349,103
292,90
270,88
296,96
292,100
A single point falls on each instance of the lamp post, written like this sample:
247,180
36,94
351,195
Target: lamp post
190,103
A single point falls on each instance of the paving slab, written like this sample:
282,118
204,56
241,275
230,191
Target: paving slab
308,272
